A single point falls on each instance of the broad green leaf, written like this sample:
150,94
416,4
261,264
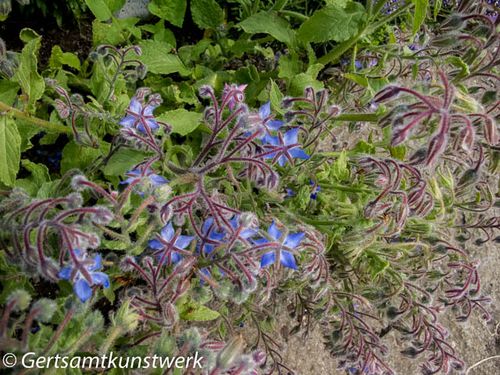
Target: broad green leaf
122,160
58,58
171,10
269,23
100,9
193,311
8,91
75,156
303,80
275,96
116,32
27,75
158,59
39,176
10,150
340,3
183,122
207,14
333,23
420,12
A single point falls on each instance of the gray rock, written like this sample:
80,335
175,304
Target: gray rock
134,8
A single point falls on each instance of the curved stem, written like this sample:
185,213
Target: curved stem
33,120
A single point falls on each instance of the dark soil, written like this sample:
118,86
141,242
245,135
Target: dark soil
73,37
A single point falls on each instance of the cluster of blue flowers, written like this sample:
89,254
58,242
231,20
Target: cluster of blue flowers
168,247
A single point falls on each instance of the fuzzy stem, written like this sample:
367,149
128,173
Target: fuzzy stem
33,120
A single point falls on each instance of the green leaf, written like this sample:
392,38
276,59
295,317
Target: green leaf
269,23
158,59
10,150
8,91
100,9
183,122
27,74
121,161
300,81
58,58
275,96
75,156
421,7
339,169
333,23
377,264
207,14
39,175
192,311
171,10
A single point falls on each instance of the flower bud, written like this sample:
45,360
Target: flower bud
102,215
386,94
206,92
43,309
230,353
126,318
20,298
490,131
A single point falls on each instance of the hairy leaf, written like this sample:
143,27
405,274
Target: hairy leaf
10,150
333,23
269,23
207,14
183,122
171,10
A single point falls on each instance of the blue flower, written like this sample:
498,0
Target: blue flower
140,117
286,258
286,147
136,174
316,190
85,275
212,236
164,241
267,119
244,233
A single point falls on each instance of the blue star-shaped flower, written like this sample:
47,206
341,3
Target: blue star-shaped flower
265,115
140,116
212,236
285,147
164,241
136,174
82,285
286,258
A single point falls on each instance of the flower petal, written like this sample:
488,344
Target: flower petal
135,106
265,110
155,244
158,180
291,137
65,273
298,153
274,124
167,232
288,260
100,278
267,259
82,289
274,231
128,121
183,241
97,263
293,240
